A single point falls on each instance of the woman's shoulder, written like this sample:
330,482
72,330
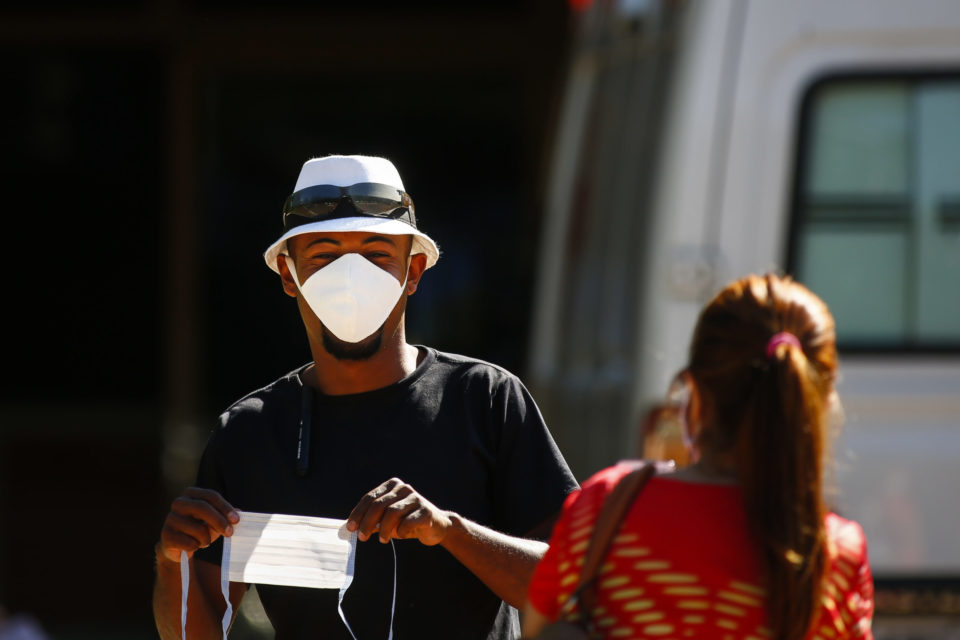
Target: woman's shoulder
846,534
848,581
589,498
597,487
845,539
607,478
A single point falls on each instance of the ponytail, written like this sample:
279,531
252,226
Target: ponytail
780,449
763,358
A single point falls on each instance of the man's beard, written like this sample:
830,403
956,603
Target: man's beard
362,350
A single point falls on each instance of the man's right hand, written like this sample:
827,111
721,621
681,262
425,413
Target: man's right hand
196,519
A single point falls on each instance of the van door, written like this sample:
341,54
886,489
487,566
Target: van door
876,233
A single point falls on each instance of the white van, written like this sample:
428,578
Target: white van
701,141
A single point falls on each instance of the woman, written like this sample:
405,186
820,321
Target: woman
739,544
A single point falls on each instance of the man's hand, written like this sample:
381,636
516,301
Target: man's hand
196,519
396,510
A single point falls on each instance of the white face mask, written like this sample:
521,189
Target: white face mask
295,551
351,295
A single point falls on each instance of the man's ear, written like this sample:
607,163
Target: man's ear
418,264
286,277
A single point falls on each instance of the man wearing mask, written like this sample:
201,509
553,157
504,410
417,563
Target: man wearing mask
447,454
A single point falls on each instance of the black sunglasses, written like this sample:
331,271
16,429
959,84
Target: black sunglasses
321,202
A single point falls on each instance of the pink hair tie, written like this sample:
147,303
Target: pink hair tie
784,337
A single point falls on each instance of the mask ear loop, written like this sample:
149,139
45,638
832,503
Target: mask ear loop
288,260
224,590
349,581
184,591
225,587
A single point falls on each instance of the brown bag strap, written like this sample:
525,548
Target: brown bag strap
615,507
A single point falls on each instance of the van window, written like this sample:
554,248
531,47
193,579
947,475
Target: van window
877,209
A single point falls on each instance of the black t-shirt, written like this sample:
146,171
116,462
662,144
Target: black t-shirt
464,433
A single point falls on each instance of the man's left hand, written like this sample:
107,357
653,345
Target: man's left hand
396,510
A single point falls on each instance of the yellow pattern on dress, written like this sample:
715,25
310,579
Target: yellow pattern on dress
840,580
658,629
580,546
638,605
685,591
615,581
581,532
672,578
845,567
650,616
729,609
739,598
651,565
749,588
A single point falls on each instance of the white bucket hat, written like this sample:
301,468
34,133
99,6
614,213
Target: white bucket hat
366,180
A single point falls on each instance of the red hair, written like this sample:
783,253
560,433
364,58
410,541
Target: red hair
770,411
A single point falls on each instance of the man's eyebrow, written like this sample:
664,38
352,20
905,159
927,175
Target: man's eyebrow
379,239
323,240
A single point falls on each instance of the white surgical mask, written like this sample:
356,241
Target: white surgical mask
295,551
351,295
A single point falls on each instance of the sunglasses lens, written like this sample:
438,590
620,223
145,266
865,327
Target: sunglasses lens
374,198
375,206
310,203
307,213
316,209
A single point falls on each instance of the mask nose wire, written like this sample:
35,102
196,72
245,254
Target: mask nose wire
296,279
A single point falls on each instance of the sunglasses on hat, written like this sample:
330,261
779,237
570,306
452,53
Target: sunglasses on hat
320,202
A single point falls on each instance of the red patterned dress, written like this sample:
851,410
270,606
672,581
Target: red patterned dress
681,566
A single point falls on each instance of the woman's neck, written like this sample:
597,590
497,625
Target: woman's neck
710,468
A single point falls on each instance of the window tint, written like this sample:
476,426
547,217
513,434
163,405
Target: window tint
878,210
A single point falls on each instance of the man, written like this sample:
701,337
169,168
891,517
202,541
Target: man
446,454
